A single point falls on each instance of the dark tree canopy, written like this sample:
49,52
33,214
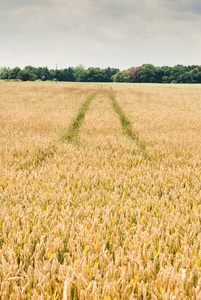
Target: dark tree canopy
145,73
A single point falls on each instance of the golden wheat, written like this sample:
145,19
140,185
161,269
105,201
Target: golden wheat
102,219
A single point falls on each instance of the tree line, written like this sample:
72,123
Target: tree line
146,73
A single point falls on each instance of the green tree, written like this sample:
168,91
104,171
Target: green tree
195,74
79,72
176,72
108,73
121,76
68,74
52,73
42,73
148,73
4,73
165,79
185,78
13,73
26,75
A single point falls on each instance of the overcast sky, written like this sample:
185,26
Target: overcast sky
99,33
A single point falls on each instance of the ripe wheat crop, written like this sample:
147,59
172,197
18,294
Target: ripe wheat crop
111,212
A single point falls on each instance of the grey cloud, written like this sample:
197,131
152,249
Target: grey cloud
195,7
111,9
186,9
13,4
114,19
188,5
100,30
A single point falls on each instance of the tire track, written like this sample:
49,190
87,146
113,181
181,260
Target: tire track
101,123
72,134
69,135
126,124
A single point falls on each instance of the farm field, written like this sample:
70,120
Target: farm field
100,192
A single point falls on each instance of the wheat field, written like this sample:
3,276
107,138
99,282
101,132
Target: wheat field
100,192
